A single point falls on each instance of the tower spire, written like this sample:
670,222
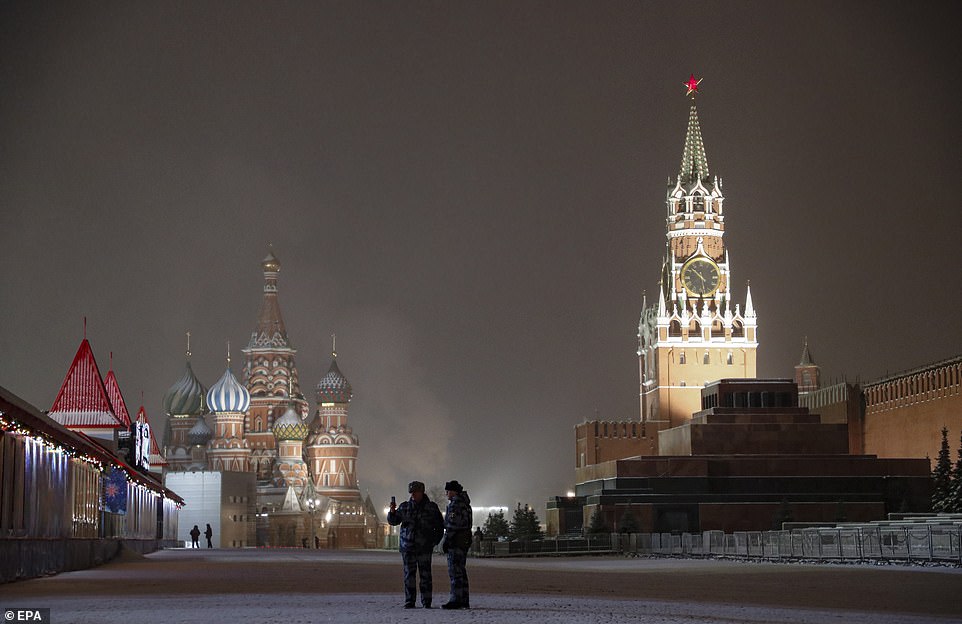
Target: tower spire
694,163
270,331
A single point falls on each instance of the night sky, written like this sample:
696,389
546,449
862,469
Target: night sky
471,195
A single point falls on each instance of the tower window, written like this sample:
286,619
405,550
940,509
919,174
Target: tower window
706,359
681,358
674,329
731,359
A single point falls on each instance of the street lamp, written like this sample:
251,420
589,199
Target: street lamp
312,507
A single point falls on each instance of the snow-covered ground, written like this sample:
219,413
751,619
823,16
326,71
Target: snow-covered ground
385,609
212,586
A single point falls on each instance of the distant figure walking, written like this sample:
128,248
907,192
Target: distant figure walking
209,533
478,538
194,536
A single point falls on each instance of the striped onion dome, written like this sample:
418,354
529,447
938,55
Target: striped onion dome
200,433
290,426
227,395
186,397
334,387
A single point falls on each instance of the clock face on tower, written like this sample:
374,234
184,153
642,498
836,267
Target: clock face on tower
700,277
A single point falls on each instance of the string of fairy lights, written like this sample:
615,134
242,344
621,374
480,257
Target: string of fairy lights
15,427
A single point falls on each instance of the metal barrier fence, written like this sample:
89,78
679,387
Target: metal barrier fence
908,542
917,542
562,545
913,542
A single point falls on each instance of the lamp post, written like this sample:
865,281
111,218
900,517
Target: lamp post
312,507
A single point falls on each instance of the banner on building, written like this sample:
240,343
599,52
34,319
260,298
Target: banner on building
115,491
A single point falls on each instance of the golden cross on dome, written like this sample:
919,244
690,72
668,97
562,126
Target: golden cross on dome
692,85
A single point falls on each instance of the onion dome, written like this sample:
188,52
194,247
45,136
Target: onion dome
290,426
271,264
227,395
200,434
334,387
186,397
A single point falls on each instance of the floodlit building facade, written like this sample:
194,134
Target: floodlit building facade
304,472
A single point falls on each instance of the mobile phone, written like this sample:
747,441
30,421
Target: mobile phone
393,501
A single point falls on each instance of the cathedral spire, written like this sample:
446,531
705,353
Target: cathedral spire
270,331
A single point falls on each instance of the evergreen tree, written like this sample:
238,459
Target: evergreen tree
496,526
525,525
942,476
629,522
597,523
955,493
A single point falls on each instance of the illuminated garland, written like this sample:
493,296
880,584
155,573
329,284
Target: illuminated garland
49,442
16,428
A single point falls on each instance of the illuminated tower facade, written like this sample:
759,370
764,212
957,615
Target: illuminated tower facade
184,404
332,445
694,332
269,372
228,449
290,469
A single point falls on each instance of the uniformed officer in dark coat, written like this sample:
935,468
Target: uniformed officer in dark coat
422,528
457,540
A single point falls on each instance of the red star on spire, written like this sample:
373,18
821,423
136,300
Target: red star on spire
692,84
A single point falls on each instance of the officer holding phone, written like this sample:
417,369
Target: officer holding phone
422,528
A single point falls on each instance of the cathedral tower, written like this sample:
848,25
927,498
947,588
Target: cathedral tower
184,404
332,446
228,449
289,468
268,373
694,332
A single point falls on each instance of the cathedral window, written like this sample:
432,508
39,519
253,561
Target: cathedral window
674,329
738,330
706,359
731,359
681,358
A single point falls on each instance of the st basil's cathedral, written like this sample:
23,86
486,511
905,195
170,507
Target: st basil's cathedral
250,454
